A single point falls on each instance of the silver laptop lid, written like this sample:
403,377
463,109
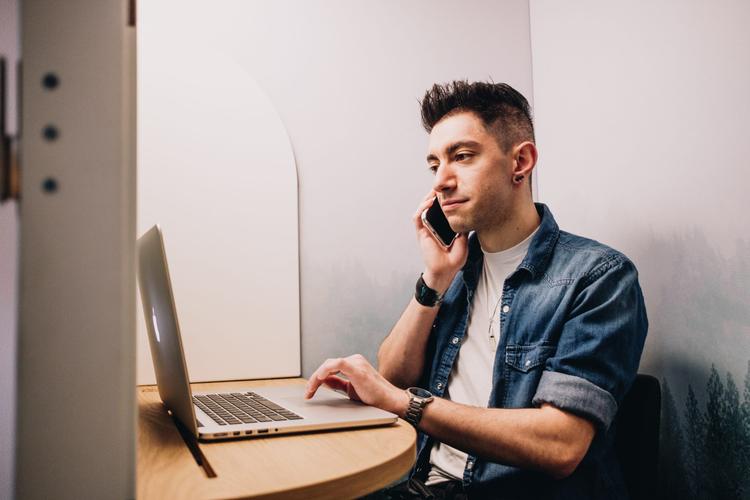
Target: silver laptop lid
163,328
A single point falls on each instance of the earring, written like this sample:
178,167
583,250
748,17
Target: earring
517,179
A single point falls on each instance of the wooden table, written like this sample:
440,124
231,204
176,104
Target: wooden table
334,464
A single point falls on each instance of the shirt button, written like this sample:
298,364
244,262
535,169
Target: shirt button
506,308
439,385
528,362
454,340
470,465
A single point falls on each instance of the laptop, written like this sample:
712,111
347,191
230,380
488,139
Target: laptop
255,412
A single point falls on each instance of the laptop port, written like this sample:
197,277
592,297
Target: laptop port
220,434
262,431
236,433
247,433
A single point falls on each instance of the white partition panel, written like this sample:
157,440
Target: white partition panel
217,172
75,405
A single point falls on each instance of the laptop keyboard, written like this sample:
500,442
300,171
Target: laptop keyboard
242,408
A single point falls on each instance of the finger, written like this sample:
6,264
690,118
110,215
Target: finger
426,202
430,196
337,383
329,367
417,218
461,242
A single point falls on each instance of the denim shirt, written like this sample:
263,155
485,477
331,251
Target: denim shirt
571,336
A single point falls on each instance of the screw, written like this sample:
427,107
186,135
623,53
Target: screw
50,132
49,185
50,81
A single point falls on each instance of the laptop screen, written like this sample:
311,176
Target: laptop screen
163,328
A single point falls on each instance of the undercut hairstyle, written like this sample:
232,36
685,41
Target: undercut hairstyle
502,109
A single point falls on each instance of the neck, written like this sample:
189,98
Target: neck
511,231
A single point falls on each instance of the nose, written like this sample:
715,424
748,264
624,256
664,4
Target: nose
444,180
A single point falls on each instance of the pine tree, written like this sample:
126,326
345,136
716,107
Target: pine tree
717,447
745,445
672,484
714,441
731,460
695,430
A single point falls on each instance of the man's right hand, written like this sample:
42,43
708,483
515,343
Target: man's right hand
441,264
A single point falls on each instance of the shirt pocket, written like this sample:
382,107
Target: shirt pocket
524,364
526,357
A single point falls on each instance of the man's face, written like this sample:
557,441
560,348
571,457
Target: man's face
472,174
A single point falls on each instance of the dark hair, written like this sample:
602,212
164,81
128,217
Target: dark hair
501,108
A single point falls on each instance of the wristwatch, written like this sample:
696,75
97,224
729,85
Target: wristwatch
418,399
426,295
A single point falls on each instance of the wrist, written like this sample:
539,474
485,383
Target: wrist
419,399
437,281
400,403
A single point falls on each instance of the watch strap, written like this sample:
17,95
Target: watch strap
426,295
416,408
414,412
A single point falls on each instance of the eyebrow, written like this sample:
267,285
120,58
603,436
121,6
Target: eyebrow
453,147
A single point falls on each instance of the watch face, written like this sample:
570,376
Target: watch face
420,393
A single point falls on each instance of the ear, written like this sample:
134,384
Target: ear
525,155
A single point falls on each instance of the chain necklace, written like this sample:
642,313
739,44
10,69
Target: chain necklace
491,329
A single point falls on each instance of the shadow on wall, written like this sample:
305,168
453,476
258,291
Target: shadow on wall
697,300
698,304
352,312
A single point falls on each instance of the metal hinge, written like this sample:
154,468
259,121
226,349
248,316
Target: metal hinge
9,169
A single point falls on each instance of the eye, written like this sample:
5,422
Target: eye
433,168
462,156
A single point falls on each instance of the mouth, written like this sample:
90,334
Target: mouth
448,205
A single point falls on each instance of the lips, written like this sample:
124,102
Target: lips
448,205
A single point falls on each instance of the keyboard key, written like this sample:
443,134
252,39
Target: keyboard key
234,408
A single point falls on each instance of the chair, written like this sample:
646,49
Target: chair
637,437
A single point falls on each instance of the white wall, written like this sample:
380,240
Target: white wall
642,116
345,77
9,47
216,170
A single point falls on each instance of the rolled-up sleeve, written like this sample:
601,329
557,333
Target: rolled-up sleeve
600,346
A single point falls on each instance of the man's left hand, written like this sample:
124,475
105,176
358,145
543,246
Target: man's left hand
364,383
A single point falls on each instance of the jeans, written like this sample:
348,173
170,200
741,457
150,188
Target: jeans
415,488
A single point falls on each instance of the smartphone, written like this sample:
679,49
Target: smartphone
434,219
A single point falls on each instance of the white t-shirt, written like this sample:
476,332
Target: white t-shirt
470,381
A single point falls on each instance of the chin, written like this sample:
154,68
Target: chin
459,225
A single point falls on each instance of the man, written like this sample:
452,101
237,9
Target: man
528,337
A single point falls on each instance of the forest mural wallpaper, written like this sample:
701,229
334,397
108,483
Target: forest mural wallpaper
705,448
642,119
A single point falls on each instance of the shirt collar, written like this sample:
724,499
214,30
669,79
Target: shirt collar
536,259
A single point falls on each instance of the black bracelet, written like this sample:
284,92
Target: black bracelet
426,295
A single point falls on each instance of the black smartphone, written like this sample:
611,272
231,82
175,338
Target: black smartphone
434,219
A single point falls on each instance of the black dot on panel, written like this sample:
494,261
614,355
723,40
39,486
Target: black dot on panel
50,81
50,132
49,185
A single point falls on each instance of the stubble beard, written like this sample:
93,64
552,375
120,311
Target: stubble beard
482,218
